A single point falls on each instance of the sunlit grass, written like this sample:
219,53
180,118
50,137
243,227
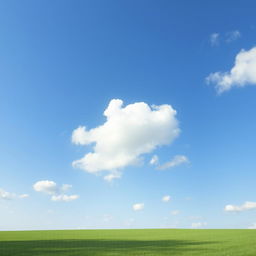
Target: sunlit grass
128,242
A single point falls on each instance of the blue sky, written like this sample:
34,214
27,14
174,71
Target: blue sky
61,64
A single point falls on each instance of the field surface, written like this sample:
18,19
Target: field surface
128,242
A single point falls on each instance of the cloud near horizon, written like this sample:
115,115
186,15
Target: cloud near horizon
128,133
198,224
240,208
242,74
57,193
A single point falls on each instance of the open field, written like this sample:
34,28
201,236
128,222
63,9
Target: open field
128,242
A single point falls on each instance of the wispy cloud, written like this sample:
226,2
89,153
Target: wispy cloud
214,39
232,36
177,160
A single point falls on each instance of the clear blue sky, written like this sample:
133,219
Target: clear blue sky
62,62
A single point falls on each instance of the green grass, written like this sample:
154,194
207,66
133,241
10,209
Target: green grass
128,242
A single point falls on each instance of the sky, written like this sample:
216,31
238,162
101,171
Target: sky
127,114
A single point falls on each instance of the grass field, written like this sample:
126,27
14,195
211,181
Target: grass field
128,242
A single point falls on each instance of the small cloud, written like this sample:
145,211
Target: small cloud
154,160
198,224
6,195
46,186
64,198
241,74
166,198
110,177
57,193
253,226
214,39
240,208
175,212
138,207
232,36
177,160
24,196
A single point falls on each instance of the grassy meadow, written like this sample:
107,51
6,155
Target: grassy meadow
128,242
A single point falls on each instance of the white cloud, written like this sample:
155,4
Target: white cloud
64,198
166,198
114,175
175,212
57,193
23,196
240,208
9,196
138,207
198,224
6,195
232,36
177,160
128,133
243,72
46,186
214,39
253,226
154,160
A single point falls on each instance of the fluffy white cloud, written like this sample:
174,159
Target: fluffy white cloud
128,133
240,208
46,186
198,224
154,160
214,39
175,212
138,207
57,193
243,72
232,36
177,160
166,198
253,226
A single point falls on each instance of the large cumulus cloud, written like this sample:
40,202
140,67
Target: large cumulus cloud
128,133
